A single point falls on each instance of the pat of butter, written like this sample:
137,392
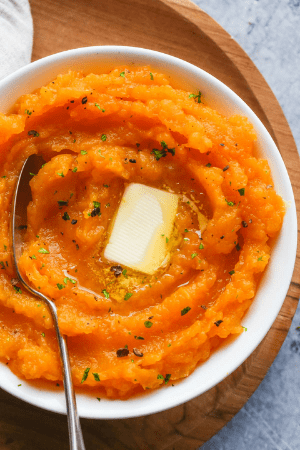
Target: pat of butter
142,228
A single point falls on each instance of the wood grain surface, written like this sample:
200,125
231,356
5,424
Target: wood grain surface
179,28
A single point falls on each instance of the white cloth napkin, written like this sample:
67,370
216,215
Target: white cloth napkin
16,35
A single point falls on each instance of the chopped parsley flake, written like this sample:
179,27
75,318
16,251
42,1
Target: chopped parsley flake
208,165
106,294
75,169
33,133
231,272
96,204
44,251
167,240
43,334
167,378
194,255
185,310
241,191
69,279
163,152
127,296
60,174
124,273
229,203
148,324
159,154
83,152
201,246
186,230
197,97
260,258
160,377
245,329
96,376
17,289
151,76
139,338
103,137
60,286
2,264
63,202
66,216
85,374
98,106
33,257
122,74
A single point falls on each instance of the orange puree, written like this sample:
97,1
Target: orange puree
97,133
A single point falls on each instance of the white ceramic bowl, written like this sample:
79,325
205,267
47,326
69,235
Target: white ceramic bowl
275,282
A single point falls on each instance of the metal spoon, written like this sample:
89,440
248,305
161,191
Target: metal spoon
21,199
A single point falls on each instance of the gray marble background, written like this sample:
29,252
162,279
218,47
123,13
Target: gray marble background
269,32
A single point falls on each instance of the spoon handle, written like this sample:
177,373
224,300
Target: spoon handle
75,433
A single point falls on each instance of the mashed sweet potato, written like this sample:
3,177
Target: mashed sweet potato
129,331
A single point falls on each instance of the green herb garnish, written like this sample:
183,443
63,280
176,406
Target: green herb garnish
167,378
43,251
98,106
229,203
96,376
106,294
197,97
185,310
85,374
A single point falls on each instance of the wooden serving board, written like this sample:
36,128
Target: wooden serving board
179,28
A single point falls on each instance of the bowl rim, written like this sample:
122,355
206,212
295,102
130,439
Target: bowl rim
184,390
